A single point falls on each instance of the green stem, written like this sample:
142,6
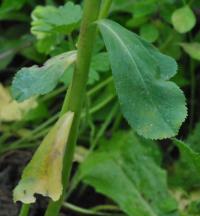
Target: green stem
75,96
100,86
24,210
192,93
104,126
105,9
84,211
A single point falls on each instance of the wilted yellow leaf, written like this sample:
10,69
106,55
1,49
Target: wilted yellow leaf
43,174
11,110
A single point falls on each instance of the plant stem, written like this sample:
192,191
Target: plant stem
105,8
83,211
192,93
104,126
24,210
75,96
100,86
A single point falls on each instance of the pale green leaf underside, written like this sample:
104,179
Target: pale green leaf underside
51,20
153,106
34,81
43,174
183,19
123,171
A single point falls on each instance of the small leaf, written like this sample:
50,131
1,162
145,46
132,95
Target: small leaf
193,156
43,174
153,106
183,19
36,80
193,139
144,8
11,110
124,171
186,171
9,5
192,49
99,63
149,32
49,20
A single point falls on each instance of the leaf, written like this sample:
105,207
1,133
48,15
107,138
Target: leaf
170,41
49,20
121,5
186,171
123,171
36,80
183,19
193,139
99,64
149,32
8,49
9,5
189,153
152,105
43,174
11,110
192,49
144,8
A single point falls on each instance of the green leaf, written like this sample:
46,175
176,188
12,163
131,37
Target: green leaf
189,153
194,138
123,170
170,40
99,63
9,5
183,19
121,5
192,49
144,8
36,80
153,106
186,171
8,48
49,20
43,174
149,32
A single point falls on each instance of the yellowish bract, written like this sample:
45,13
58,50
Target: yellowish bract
43,174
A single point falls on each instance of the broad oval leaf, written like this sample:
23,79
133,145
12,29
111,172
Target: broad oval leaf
183,19
34,81
43,174
153,106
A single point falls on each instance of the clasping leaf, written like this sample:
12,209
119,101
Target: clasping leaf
43,174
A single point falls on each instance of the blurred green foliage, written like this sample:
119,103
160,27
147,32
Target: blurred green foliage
119,161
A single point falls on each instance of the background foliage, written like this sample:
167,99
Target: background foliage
116,172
